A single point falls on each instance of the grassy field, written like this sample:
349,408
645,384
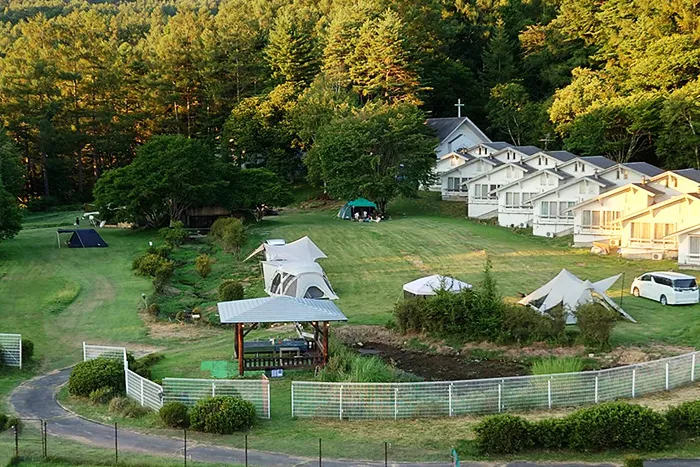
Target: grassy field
60,297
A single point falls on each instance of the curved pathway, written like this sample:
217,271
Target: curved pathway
36,398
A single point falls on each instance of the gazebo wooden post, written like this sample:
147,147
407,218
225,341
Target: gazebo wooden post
326,326
239,343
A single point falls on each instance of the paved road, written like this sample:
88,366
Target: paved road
37,399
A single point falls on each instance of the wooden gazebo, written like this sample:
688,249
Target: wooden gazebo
246,315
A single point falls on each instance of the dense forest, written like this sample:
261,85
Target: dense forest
84,84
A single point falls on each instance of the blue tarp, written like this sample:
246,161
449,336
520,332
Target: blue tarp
84,238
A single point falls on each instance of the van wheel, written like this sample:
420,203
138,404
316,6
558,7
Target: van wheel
663,300
635,292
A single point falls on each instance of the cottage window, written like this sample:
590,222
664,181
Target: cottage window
464,187
551,180
694,250
582,188
641,230
586,218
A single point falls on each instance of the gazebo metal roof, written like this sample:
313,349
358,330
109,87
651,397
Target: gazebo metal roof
279,309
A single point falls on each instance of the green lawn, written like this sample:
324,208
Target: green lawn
60,297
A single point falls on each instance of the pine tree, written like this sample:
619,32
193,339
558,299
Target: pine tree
291,50
498,58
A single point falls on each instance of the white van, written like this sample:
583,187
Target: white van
669,288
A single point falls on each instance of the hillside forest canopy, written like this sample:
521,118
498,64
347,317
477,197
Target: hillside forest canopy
283,85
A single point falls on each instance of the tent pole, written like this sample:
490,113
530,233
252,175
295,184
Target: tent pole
58,240
622,288
326,325
239,336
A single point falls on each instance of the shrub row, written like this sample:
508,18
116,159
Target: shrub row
103,374
220,415
612,425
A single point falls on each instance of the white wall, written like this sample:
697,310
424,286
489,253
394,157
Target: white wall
466,138
552,226
622,176
684,250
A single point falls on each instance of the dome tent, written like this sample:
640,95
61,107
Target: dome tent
426,286
358,205
297,279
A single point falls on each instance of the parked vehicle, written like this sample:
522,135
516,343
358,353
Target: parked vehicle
668,288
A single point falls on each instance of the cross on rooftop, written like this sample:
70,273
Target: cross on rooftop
459,106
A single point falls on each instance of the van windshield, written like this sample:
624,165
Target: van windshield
684,283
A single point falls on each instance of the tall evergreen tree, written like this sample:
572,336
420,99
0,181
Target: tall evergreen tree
291,50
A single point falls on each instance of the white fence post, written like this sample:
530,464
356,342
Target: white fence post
549,392
596,389
84,352
142,403
292,399
499,396
667,376
213,389
451,384
396,403
634,381
20,352
341,402
692,369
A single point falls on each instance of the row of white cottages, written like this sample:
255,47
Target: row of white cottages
643,210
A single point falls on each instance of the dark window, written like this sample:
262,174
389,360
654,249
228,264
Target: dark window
645,278
313,292
275,282
663,281
685,283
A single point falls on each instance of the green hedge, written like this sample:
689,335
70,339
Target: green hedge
222,415
685,418
612,425
503,434
174,415
100,373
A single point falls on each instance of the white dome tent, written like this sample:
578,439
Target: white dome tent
426,286
569,291
296,279
302,250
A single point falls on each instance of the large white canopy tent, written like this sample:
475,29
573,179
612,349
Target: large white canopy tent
297,279
429,285
569,291
302,250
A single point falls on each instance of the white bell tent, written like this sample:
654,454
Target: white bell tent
426,286
297,279
569,291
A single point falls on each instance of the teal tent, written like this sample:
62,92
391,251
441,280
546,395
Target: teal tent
359,205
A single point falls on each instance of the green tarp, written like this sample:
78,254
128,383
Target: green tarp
362,203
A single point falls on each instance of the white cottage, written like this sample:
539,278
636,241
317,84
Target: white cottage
548,159
483,199
453,173
688,241
514,199
552,213
455,133
584,166
630,172
515,153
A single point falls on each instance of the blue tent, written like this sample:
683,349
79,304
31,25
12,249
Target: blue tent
83,238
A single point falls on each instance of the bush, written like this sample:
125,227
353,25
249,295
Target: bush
3,422
142,366
163,275
523,325
633,461
203,265
27,350
89,376
174,415
153,310
127,408
161,250
230,290
551,433
14,422
503,434
150,264
222,415
617,425
101,395
685,418
596,324
230,233
175,235
554,365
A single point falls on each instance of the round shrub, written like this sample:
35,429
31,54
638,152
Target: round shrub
230,232
222,415
633,461
596,324
551,433
617,425
126,408
203,265
503,434
230,290
174,415
27,350
685,418
153,309
3,422
174,235
89,376
14,422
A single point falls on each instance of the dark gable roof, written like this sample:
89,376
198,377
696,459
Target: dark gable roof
498,145
562,156
444,126
599,161
527,150
691,174
644,168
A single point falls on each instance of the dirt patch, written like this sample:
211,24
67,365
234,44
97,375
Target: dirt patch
632,355
416,262
165,330
438,367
